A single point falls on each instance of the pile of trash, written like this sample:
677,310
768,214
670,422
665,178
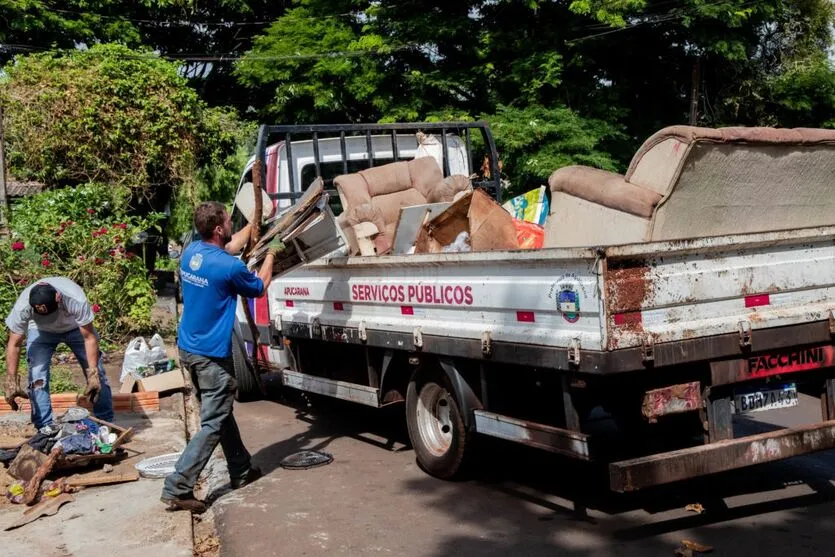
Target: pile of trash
75,440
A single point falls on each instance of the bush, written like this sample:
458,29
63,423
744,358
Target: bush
82,233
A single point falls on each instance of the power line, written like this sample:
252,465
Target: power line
221,57
187,23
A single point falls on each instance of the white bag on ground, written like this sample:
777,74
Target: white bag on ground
135,355
157,350
140,353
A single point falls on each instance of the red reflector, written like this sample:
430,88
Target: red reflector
338,306
758,300
525,316
407,310
629,318
289,303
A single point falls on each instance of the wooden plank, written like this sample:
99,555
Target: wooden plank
103,478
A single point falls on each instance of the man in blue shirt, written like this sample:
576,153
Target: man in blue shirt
212,279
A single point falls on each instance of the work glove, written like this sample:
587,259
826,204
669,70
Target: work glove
13,391
91,393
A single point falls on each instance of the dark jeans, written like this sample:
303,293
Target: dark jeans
214,379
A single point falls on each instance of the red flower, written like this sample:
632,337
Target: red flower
112,252
96,308
91,211
103,230
98,261
117,238
81,258
45,263
120,225
18,246
96,233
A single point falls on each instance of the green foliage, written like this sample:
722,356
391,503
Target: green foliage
61,379
83,233
229,142
535,141
108,114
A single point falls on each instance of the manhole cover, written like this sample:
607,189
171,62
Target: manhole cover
157,466
306,459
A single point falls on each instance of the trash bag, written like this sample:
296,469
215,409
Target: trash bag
157,352
135,355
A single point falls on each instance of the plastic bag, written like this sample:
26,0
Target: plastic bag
135,355
430,146
461,244
532,206
140,355
529,235
157,352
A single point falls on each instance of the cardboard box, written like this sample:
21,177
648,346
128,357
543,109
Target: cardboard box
168,381
490,227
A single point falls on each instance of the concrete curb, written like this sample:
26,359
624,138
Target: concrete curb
213,478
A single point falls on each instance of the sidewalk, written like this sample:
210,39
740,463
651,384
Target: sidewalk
123,519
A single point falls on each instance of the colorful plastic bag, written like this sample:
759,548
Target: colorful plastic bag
530,235
531,206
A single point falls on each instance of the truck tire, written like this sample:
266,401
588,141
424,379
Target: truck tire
249,384
436,426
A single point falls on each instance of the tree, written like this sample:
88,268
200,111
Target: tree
118,116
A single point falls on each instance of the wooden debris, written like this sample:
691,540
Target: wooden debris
103,478
690,548
33,486
695,508
26,463
48,507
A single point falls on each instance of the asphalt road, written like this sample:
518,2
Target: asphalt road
374,500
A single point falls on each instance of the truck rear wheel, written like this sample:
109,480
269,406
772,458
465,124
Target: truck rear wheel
436,427
249,384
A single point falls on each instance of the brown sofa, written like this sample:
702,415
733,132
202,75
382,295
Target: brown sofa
377,194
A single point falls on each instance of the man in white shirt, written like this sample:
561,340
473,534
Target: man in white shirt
52,311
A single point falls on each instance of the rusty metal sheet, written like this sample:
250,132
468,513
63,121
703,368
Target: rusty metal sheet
674,399
639,473
541,436
778,362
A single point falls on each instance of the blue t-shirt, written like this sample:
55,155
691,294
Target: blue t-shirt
212,279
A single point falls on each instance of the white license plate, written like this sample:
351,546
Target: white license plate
765,399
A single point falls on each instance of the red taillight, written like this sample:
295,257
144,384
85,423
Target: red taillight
525,316
628,318
757,300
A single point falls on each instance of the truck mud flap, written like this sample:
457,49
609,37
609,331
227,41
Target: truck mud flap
639,473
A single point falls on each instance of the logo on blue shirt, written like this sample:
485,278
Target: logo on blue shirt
196,261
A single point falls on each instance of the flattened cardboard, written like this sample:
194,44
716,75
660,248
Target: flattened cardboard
489,225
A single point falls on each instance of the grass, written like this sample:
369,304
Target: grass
60,380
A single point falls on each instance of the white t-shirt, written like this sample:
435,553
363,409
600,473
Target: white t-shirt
73,311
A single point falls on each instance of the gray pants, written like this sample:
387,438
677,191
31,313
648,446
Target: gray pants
214,379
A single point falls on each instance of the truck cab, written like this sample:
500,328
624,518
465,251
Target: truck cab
304,153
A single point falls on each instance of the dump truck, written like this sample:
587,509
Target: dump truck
665,304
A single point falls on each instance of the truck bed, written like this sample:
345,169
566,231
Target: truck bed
599,310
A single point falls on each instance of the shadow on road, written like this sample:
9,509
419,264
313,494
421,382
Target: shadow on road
534,503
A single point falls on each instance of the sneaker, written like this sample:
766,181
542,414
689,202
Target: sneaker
252,475
186,503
